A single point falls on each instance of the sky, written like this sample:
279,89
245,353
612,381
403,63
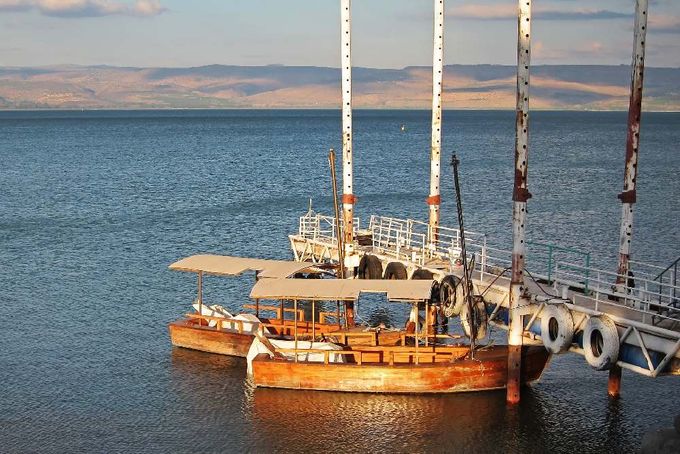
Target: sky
385,33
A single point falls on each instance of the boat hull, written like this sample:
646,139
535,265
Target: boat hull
488,371
187,334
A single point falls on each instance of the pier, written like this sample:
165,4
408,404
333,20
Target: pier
623,317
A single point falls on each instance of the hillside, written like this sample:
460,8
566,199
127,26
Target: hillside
219,86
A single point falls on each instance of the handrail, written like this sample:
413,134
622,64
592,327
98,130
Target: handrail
359,354
220,321
277,309
674,264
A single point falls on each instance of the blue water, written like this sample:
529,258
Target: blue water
95,205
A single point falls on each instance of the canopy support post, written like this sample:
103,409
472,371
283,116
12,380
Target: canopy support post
200,295
295,335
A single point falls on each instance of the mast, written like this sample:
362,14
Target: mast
348,198
628,196
520,195
434,199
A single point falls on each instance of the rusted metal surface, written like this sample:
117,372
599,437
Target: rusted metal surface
346,61
434,199
520,195
628,196
614,383
394,370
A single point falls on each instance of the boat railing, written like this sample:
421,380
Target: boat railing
220,322
276,309
653,300
384,355
318,227
416,241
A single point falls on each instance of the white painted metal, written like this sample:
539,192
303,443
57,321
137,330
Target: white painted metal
520,196
435,149
633,138
347,175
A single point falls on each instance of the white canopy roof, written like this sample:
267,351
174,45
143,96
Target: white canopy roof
340,289
232,266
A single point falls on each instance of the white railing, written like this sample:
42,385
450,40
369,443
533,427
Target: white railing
408,239
639,293
322,228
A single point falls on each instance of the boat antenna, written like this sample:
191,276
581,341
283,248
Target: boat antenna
338,227
466,271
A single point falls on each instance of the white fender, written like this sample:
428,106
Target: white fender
557,328
601,342
480,309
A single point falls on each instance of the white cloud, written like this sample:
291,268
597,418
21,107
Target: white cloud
85,8
509,12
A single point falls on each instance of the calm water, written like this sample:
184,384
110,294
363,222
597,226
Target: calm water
94,206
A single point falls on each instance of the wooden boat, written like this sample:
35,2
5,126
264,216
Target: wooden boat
211,329
433,370
425,367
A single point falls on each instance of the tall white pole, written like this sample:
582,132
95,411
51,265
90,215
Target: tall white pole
520,195
434,200
628,196
348,198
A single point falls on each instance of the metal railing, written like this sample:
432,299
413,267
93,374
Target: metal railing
652,291
639,293
416,241
663,279
544,257
315,226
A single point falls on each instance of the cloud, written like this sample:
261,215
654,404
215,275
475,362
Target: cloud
85,8
509,12
587,51
15,5
664,24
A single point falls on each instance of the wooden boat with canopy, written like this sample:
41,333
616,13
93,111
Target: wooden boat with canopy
212,329
429,365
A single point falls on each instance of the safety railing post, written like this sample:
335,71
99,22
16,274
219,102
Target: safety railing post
550,257
587,273
483,264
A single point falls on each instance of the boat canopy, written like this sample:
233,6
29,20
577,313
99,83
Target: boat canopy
225,265
341,289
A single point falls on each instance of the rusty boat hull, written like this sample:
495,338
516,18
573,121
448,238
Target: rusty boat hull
488,371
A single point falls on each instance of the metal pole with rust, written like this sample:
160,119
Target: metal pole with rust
628,196
348,198
520,196
434,199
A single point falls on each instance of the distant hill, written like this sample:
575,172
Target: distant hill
219,86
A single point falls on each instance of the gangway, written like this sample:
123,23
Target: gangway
645,310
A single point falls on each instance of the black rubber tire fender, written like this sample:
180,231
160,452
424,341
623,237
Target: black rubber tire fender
395,271
370,267
427,275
